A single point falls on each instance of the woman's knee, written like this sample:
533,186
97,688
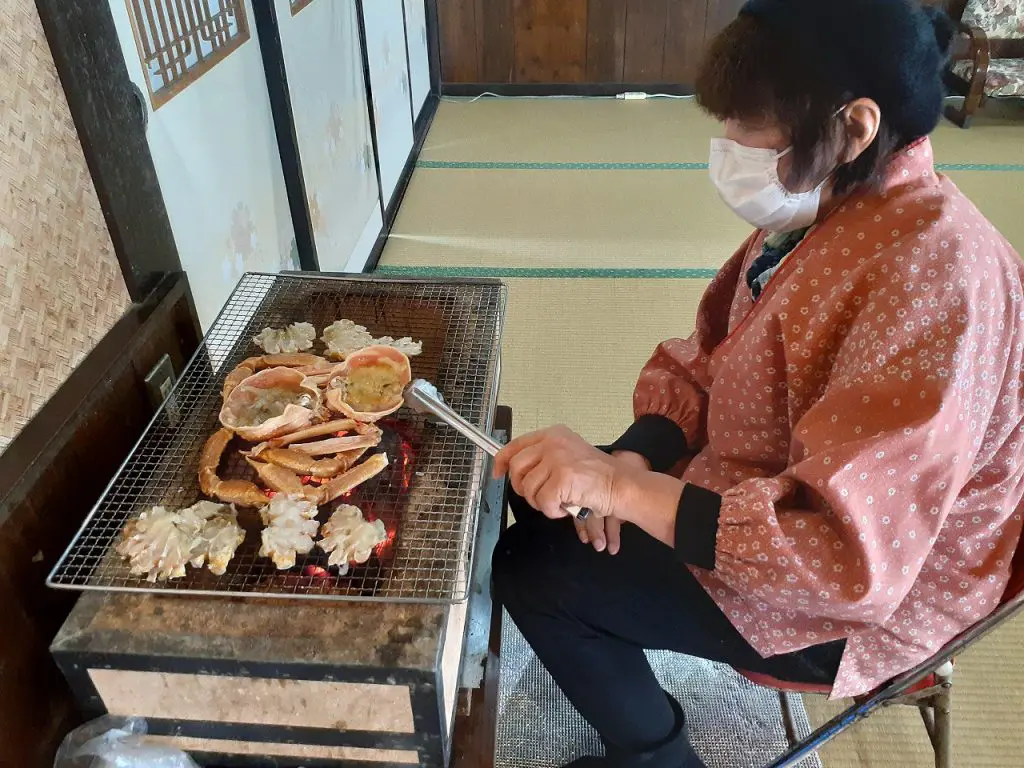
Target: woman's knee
510,564
525,567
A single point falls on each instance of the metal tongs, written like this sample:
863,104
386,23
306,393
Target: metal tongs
423,397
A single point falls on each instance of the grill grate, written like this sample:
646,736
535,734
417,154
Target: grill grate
428,497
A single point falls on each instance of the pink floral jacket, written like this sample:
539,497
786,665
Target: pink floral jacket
861,427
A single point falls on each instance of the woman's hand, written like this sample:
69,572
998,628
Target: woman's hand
555,467
603,533
633,460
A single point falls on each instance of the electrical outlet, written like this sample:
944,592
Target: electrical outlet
159,383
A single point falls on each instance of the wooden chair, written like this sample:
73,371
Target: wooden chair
990,61
928,686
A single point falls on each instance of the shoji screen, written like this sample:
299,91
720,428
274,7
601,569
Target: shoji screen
324,66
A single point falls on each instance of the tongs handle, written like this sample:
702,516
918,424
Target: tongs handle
423,397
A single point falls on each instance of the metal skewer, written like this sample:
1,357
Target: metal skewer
423,397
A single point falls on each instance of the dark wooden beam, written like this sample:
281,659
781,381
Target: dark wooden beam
269,36
50,477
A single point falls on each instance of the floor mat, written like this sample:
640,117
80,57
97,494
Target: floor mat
732,722
612,131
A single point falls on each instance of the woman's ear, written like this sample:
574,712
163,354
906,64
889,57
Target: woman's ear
860,119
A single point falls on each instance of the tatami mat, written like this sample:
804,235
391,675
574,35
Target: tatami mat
618,219
568,131
653,131
988,694
509,188
999,195
572,349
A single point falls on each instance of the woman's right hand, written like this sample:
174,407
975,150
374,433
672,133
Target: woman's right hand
603,533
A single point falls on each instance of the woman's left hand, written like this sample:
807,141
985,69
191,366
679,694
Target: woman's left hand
555,467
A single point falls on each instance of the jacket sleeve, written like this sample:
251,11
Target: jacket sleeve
876,465
670,398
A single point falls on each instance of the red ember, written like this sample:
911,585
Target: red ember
316,572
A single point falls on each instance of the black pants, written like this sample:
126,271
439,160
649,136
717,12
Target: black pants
589,616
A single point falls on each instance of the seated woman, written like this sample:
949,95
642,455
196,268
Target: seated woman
824,482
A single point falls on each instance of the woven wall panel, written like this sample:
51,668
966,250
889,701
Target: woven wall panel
60,284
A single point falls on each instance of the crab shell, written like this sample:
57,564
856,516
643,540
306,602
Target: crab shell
293,417
374,355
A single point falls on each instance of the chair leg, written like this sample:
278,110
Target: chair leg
974,96
942,717
963,116
943,729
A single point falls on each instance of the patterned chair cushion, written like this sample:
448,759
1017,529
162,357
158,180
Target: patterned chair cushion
1005,76
1001,19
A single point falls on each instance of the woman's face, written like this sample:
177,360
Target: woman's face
765,135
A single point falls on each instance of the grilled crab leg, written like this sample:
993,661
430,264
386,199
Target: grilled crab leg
304,464
337,444
317,430
355,477
285,481
240,492
285,360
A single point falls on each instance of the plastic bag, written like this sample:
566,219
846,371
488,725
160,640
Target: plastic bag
116,742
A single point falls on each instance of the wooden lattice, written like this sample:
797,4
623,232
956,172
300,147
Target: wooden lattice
180,40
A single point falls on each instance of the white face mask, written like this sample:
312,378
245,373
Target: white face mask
747,179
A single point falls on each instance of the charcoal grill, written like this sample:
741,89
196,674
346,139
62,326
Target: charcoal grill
428,497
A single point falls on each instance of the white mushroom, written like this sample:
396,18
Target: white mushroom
297,337
290,527
158,544
347,537
218,539
343,337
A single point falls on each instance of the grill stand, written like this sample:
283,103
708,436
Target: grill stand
246,682
476,721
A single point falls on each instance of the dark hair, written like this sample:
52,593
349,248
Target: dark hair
797,62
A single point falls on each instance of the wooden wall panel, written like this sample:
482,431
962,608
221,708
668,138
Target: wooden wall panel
577,41
457,30
684,41
606,40
551,41
646,22
497,41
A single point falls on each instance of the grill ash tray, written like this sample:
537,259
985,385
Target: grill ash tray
427,497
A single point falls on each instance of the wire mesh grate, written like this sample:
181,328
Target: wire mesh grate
428,497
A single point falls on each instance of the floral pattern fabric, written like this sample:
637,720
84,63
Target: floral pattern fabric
997,18
1005,76
864,423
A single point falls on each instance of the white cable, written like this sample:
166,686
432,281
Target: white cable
642,96
488,94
